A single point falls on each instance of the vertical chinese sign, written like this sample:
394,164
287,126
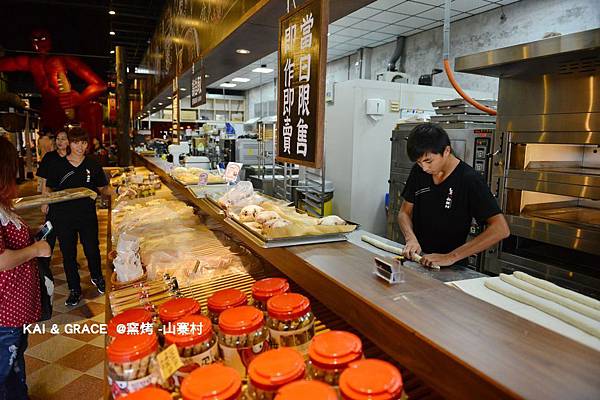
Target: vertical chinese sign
301,84
175,112
198,95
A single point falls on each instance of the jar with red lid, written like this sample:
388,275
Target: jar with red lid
264,289
148,393
302,390
242,336
214,382
371,379
131,363
330,354
291,322
132,321
222,300
174,309
196,343
271,370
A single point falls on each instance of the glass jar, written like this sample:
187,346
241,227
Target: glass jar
371,379
148,393
131,362
242,337
222,300
272,370
330,353
302,390
291,322
133,321
264,289
215,382
196,343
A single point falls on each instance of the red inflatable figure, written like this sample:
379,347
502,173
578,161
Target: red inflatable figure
60,103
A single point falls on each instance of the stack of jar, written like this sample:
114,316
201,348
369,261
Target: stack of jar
223,300
264,289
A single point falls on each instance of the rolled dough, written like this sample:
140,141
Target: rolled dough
581,322
563,301
569,294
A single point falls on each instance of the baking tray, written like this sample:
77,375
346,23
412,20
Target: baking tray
584,217
463,118
267,243
462,102
202,192
459,110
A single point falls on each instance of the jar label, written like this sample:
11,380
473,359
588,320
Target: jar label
191,363
240,358
298,339
119,388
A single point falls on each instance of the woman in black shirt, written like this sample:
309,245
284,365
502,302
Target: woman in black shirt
78,217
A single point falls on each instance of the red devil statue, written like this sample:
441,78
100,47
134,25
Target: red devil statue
60,103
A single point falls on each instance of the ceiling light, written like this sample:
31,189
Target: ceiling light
228,84
242,51
112,33
154,108
241,80
263,69
206,75
112,12
169,97
112,52
183,89
160,104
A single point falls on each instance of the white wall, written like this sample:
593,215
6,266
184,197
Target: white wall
257,95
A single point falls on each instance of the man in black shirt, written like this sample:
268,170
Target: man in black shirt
441,197
78,217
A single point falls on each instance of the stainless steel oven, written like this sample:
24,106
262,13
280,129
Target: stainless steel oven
546,164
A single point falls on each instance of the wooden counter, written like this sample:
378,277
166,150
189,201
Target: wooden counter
459,345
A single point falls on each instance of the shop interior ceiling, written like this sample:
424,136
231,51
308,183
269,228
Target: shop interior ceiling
80,28
378,23
354,24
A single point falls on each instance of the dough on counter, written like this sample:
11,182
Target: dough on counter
331,220
563,301
569,294
577,320
265,216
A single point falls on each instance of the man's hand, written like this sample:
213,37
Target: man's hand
42,249
69,99
411,248
441,260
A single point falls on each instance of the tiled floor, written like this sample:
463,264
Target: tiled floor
67,366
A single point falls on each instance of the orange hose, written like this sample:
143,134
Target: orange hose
465,96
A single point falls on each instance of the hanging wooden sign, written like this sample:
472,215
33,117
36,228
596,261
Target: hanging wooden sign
301,84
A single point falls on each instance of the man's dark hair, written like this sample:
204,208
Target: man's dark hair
77,134
426,138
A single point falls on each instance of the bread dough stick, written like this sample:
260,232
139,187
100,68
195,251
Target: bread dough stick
390,249
569,294
578,321
563,301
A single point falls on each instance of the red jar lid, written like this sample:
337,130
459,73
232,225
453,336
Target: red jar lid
129,348
133,315
288,306
199,330
148,393
302,390
240,320
335,349
371,379
212,382
174,309
264,289
275,368
226,298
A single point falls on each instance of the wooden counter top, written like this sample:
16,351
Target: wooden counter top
459,345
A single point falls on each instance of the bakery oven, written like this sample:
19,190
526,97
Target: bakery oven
546,164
